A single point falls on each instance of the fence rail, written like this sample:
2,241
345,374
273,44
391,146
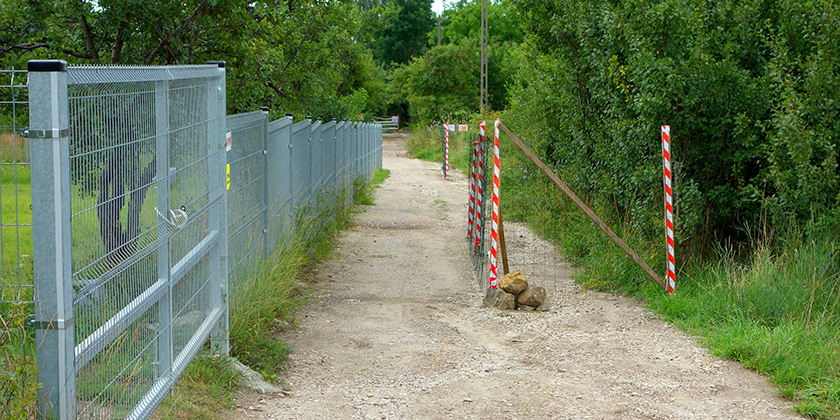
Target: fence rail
169,202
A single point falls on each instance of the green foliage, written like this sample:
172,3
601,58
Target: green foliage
442,85
300,56
404,37
363,191
461,24
742,85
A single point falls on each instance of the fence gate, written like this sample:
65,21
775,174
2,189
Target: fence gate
129,229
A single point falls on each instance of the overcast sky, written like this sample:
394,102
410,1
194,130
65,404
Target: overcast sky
437,6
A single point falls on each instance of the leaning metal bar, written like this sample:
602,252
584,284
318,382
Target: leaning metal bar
578,202
54,336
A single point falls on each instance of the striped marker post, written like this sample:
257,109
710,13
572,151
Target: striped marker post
669,208
446,153
472,209
479,197
494,233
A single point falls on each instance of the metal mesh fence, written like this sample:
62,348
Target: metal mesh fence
140,188
128,215
17,351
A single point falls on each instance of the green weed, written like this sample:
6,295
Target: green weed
18,381
206,387
363,191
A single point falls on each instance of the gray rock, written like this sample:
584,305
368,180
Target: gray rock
302,289
545,307
255,381
532,296
498,298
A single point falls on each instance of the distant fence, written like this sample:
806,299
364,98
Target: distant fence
147,203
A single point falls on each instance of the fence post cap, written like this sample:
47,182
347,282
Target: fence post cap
221,64
46,65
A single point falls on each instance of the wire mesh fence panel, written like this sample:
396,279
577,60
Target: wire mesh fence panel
342,149
280,224
17,351
136,160
130,157
315,145
328,157
300,165
245,195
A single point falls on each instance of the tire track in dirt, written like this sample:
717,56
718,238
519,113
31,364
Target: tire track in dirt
396,331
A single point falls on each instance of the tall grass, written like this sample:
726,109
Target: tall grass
778,313
207,386
18,381
425,143
13,148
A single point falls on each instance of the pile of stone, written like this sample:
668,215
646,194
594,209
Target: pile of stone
514,292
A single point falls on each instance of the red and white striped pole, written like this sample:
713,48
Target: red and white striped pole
669,208
446,153
494,235
472,209
479,214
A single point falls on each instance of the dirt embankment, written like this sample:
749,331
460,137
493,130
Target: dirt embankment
396,331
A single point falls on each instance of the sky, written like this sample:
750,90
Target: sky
437,7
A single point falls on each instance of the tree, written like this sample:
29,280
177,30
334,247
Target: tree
303,56
441,85
406,35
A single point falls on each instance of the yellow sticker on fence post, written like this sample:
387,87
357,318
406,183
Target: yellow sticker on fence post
228,176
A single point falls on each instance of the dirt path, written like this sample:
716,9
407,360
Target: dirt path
397,331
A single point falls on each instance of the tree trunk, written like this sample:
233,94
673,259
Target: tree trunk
122,243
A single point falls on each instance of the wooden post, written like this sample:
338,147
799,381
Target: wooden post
589,213
502,247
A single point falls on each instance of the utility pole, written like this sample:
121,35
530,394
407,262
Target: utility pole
484,100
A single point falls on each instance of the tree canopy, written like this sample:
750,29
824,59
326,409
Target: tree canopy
405,36
302,56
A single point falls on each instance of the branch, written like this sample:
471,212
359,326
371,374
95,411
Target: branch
35,45
150,56
93,52
280,90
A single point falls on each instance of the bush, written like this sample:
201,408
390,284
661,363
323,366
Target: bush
749,89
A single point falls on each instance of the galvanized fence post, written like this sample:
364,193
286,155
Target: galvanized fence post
49,133
315,160
219,284
164,339
265,201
